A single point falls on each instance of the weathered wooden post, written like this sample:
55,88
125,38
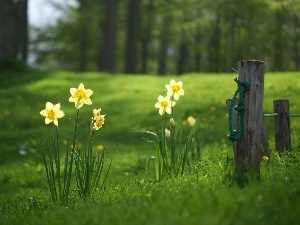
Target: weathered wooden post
248,147
282,125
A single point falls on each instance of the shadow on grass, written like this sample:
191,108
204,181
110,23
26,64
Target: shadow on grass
10,78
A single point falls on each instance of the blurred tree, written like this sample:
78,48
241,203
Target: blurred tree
22,29
163,36
214,44
184,54
183,44
13,30
198,49
296,33
296,41
7,32
238,32
73,42
133,23
109,31
286,34
146,34
84,34
279,39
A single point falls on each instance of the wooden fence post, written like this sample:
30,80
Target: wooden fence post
248,146
265,148
282,125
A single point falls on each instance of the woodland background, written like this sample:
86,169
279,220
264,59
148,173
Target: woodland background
154,36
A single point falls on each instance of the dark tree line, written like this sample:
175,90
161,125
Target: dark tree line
158,36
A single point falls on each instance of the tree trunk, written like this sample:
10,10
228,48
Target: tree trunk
8,48
279,42
147,36
109,27
182,63
215,47
197,62
132,36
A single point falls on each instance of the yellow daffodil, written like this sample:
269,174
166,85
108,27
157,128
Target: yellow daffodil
52,113
98,119
191,120
80,96
164,104
98,123
175,89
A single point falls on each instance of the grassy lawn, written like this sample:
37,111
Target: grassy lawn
204,195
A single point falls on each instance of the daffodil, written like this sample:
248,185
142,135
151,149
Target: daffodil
175,89
164,104
99,122
98,119
52,113
191,120
80,96
97,113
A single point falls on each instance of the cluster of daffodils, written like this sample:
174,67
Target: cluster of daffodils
88,169
79,96
174,91
172,148
166,104
97,120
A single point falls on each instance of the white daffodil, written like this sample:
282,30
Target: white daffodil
175,89
164,104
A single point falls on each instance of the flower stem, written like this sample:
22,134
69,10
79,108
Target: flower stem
89,165
164,148
172,99
57,159
172,138
72,158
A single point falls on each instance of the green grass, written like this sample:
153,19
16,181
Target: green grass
205,195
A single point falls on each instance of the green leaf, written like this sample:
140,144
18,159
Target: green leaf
145,132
